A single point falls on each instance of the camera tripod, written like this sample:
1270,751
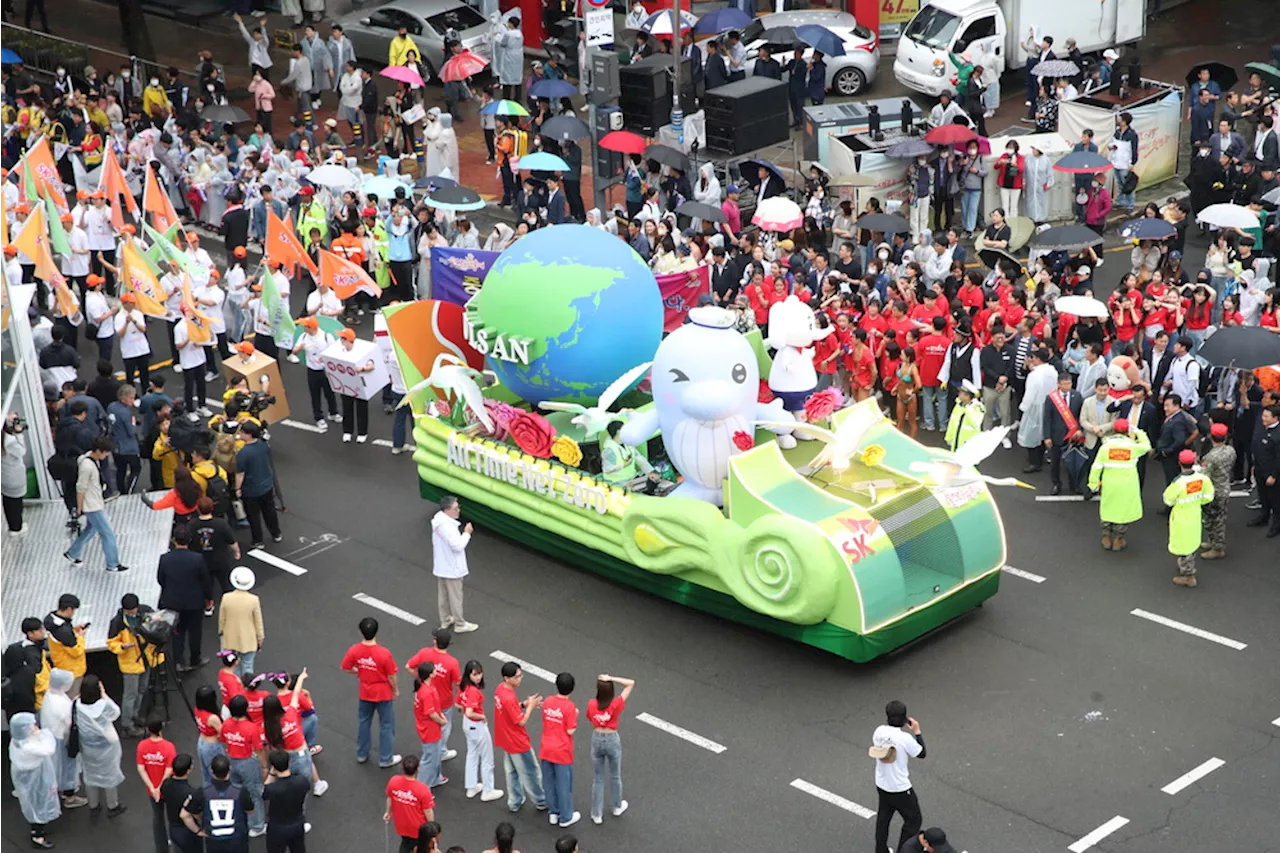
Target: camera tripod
162,680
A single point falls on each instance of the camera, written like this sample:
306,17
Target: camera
157,628
15,424
258,402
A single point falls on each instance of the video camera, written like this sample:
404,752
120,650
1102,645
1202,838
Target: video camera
187,431
255,402
157,627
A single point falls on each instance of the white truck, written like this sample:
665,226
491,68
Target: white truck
1001,27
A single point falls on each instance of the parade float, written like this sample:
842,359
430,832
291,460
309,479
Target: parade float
555,407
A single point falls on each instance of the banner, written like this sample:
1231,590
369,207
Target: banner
199,329
139,279
345,277
156,202
680,292
284,246
1157,126
113,182
456,274
33,241
44,174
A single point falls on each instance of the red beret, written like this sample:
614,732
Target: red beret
1187,457
1218,430
1122,425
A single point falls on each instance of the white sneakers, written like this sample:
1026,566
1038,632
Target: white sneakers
322,425
620,809
553,819
448,754
361,439
464,627
346,438
293,358
21,531
495,794
257,833
565,824
396,451
320,788
395,759
335,417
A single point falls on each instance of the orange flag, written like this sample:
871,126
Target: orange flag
116,187
156,202
283,245
198,325
34,243
45,174
345,277
68,305
143,283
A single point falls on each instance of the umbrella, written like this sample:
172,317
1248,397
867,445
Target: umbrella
950,134
993,257
778,214
752,177
668,156
699,210
623,142
1081,306
984,144
383,186
909,148
820,39
1228,216
1020,230
780,37
722,21
1147,228
885,223
434,182
224,114
662,24
1246,347
455,198
1272,197
1068,238
566,128
503,108
8,57
541,161
402,74
1219,72
1056,68
334,177
553,89
1083,162
462,65
1269,73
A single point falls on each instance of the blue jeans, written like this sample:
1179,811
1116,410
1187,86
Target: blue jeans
95,522
969,208
557,779
523,778
606,750
300,763
247,773
934,399
1197,338
310,728
208,750
386,730
244,666
429,769
1123,199
400,425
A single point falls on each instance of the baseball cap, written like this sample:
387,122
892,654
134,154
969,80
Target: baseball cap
1187,457
331,122
731,189
309,323
245,348
66,217
1122,425
369,211
1084,270
128,229
11,250
1218,430
240,251
128,297
1109,53
347,334
93,280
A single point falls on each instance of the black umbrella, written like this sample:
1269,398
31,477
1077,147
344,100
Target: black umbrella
433,182
565,128
1082,163
1219,72
1147,228
455,198
909,149
752,175
668,156
1068,238
885,223
698,210
782,37
993,257
1246,347
224,114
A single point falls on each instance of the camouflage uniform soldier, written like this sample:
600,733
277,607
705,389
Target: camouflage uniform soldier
1217,463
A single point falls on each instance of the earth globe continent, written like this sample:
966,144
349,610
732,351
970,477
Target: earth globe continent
588,295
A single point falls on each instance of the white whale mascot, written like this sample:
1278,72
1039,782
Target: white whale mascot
705,388
793,332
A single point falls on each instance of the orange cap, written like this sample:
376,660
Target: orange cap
82,195
128,229
22,207
347,334
11,250
193,237
275,265
214,275
97,194
93,280
240,251
245,348
66,217
128,296
4,173
308,323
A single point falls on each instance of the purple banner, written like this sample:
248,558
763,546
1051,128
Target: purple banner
456,274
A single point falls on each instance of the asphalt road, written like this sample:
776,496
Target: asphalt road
1052,712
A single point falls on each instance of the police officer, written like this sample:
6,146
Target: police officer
219,812
1115,475
1186,497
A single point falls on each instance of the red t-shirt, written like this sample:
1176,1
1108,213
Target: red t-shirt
155,756
255,698
202,723
931,352
229,685
559,715
824,348
1013,314
410,800
609,717
889,373
1268,319
508,734
304,702
1126,328
446,676
425,703
861,365
901,327
471,697
1155,318
1199,316
1237,319
291,730
375,666
971,296
242,737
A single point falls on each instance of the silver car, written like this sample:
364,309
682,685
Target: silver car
428,21
846,75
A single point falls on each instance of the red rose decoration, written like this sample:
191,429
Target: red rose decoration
532,433
743,441
823,404
764,395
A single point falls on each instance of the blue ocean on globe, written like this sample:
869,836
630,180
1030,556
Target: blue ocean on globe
583,291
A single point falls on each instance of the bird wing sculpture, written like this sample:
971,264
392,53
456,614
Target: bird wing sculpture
452,375
594,419
982,445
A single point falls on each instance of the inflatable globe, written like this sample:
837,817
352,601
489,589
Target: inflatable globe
586,299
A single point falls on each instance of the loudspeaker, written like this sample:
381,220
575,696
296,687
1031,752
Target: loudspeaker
1135,74
608,164
746,115
645,92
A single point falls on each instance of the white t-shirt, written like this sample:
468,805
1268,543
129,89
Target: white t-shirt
215,294
313,346
73,263
133,341
172,285
97,225
188,356
95,305
261,317
283,284
893,776
203,263
13,272
235,279
329,304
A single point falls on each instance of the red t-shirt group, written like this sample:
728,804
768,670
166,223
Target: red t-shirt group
374,665
155,757
559,717
508,734
410,800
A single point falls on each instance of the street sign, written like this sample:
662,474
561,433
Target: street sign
598,23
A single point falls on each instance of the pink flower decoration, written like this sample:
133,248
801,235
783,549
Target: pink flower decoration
743,441
441,409
765,394
823,404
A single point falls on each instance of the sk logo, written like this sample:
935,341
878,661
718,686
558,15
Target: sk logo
856,546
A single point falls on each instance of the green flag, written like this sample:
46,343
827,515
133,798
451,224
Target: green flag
277,311
155,255
167,251
57,234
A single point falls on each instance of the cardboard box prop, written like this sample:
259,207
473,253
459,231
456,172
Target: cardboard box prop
340,365
254,368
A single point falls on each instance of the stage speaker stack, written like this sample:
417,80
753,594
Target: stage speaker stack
747,115
645,93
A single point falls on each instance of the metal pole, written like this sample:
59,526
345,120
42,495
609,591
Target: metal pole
677,49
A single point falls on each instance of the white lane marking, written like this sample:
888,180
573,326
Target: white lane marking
1276,721
386,442
1239,494
213,404
834,799
1190,629
531,668
1192,776
1098,834
682,733
389,608
1019,573
278,562
289,422
1049,499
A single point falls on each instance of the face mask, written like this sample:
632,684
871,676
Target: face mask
1008,151
155,82
124,75
883,255
922,160
973,152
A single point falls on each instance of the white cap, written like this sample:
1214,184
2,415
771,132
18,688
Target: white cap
242,577
1110,53
1084,270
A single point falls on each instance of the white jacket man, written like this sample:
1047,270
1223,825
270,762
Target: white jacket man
449,540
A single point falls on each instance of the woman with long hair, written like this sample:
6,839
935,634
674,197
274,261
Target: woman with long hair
209,725
479,764
907,392
1199,315
286,685
282,729
182,498
504,839
604,712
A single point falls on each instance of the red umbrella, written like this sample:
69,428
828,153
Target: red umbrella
624,142
950,134
461,66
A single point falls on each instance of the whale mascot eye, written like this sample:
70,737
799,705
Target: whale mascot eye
739,373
